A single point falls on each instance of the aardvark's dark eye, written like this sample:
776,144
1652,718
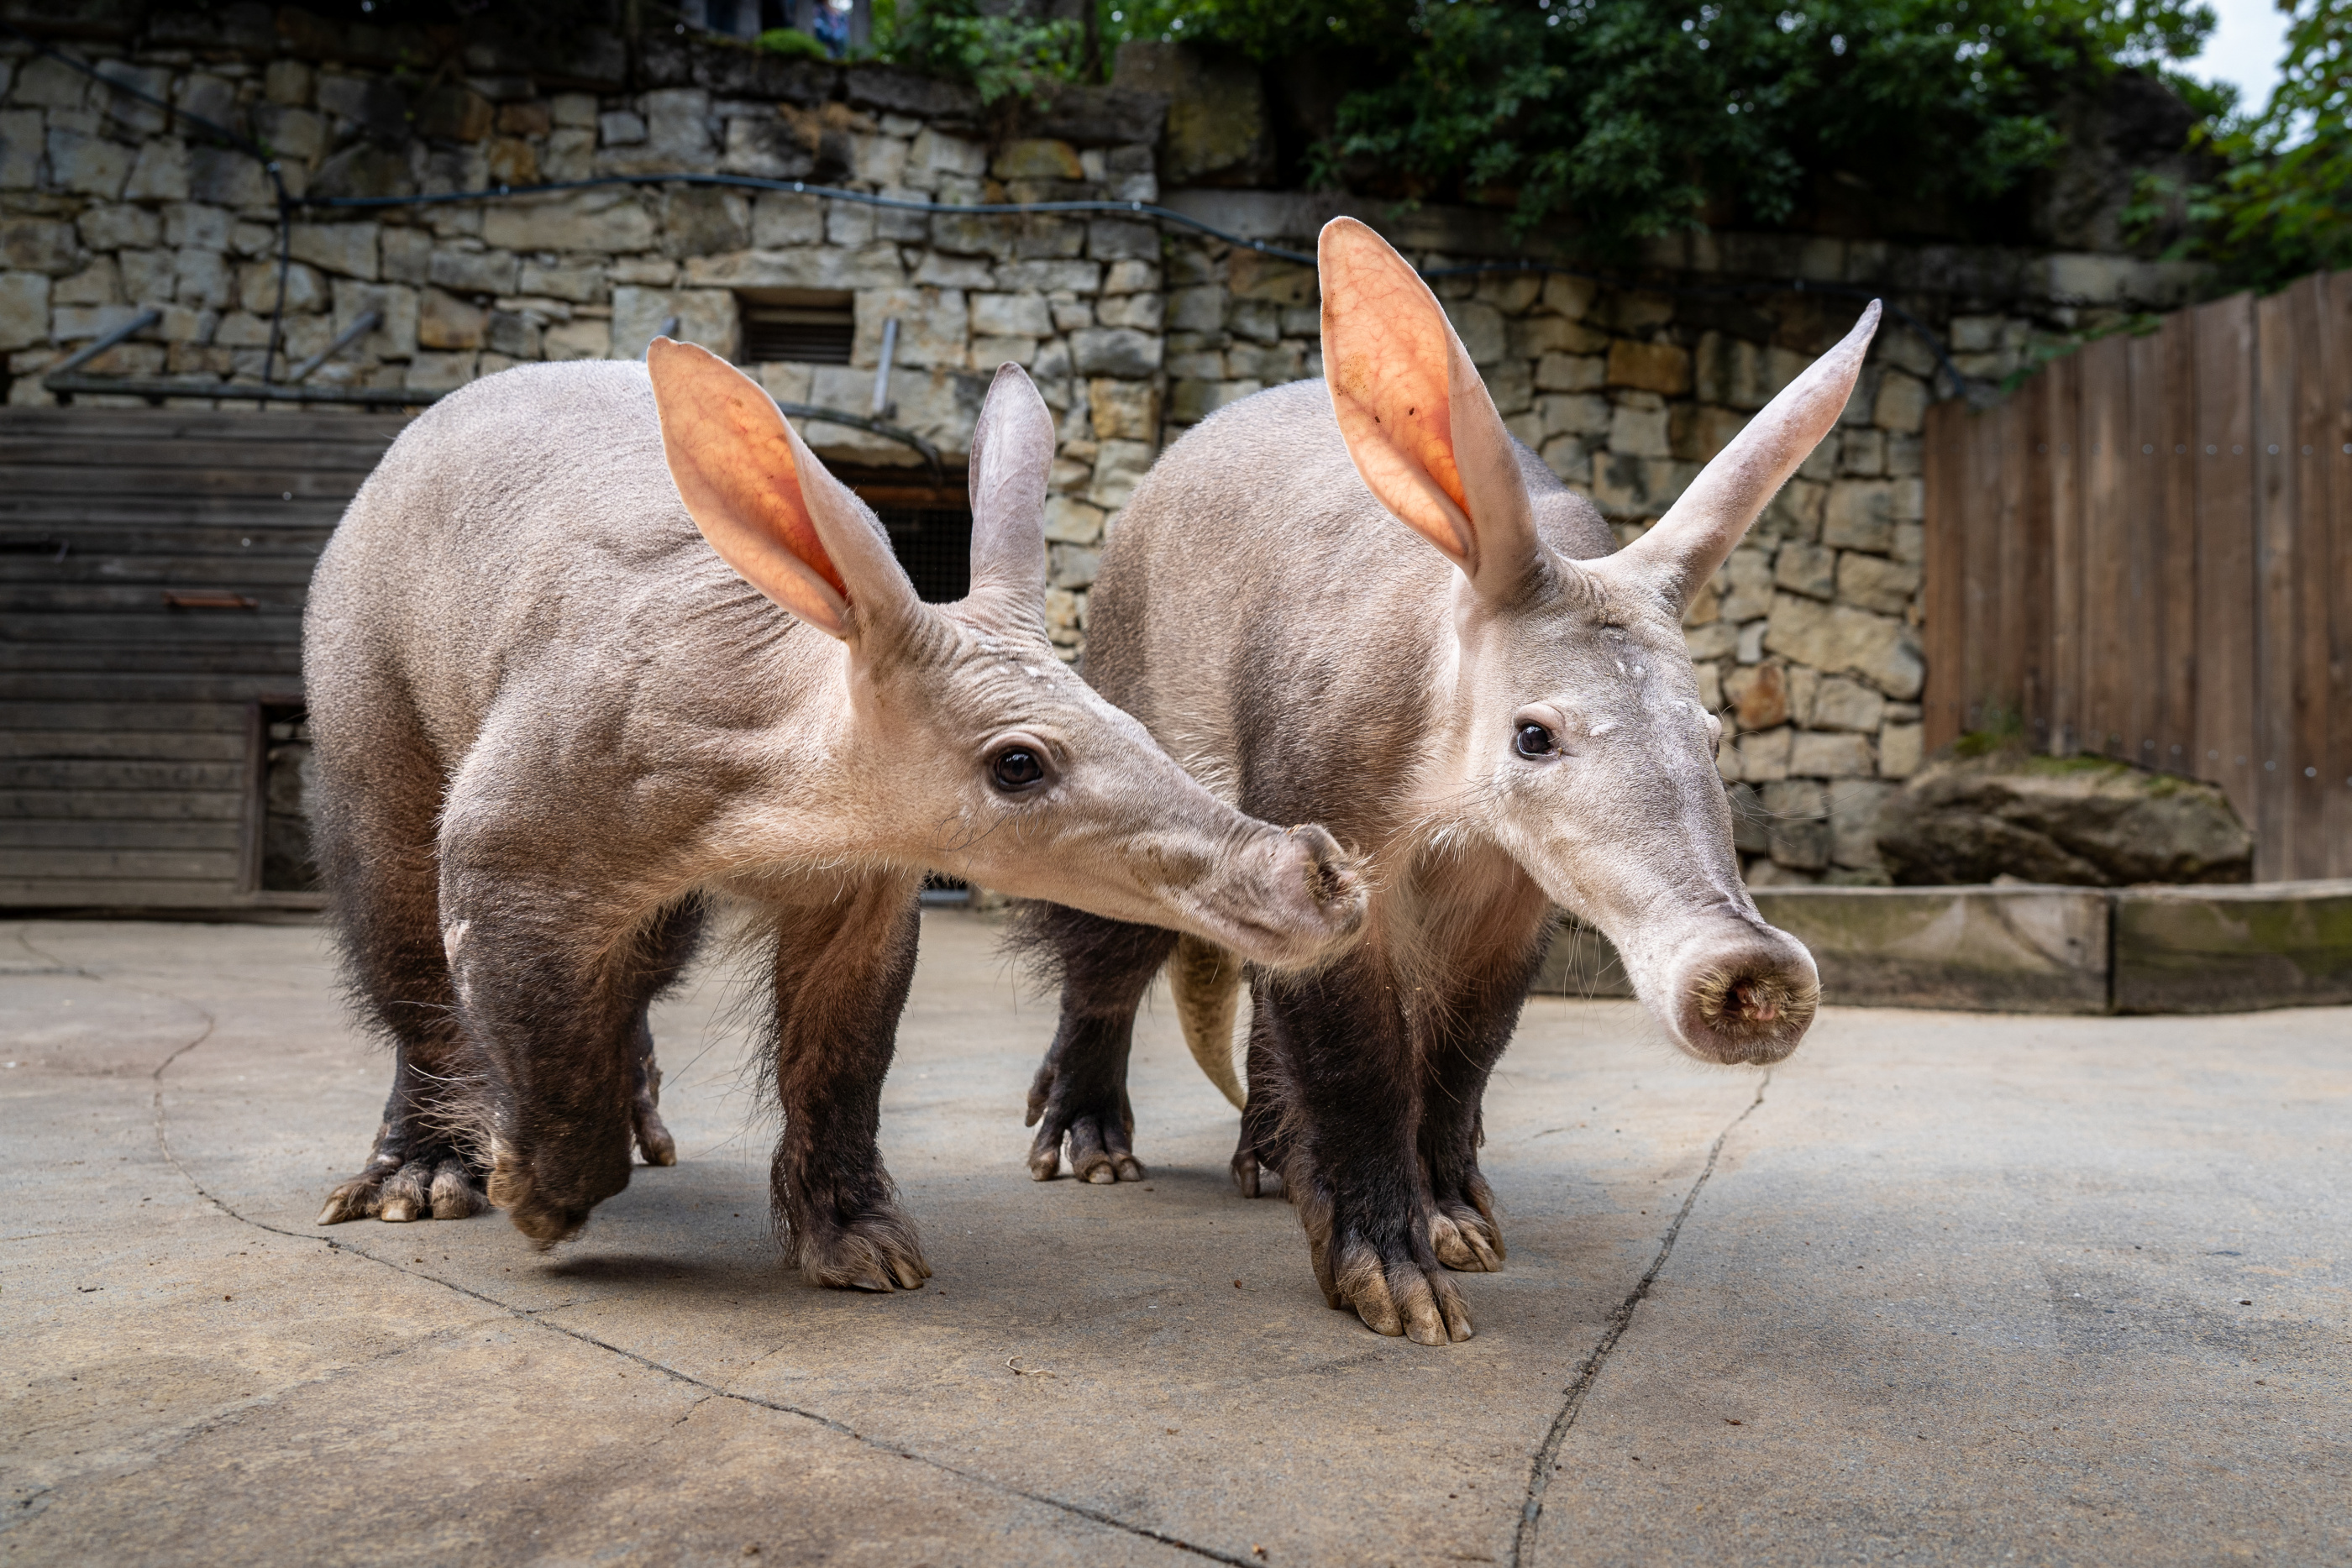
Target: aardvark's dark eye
1533,740
1016,768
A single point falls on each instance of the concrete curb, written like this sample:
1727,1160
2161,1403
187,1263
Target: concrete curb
2041,949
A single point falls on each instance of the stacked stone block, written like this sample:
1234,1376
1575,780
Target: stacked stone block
1806,641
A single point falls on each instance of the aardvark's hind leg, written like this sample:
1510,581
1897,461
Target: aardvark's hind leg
1080,1095
840,977
378,795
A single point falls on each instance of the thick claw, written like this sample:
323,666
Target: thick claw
1464,1242
654,1140
399,1191
876,1251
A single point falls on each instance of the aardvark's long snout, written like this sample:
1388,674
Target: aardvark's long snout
1291,897
1740,993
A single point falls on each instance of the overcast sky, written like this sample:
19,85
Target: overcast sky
2245,49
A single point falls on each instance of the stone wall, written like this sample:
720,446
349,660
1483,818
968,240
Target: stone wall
1133,330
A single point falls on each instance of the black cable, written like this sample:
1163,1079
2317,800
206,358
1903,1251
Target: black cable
1144,210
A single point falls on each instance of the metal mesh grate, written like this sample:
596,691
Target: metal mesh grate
804,334
934,544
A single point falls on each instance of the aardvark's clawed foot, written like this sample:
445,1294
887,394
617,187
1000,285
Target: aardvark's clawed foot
417,1182
873,1248
1097,1126
1463,1231
1391,1290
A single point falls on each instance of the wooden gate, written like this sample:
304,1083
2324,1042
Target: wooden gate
153,565
2146,553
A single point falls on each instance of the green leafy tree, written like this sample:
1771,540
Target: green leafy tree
2285,206
1010,55
1642,116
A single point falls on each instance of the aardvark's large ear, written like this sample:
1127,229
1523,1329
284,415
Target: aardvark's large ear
1416,417
765,503
1012,456
1700,531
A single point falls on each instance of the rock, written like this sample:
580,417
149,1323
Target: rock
1837,639
1124,410
606,220
23,309
896,91
20,149
1875,584
1099,116
349,249
88,166
1651,367
1037,158
364,169
1216,128
1121,352
2083,821
38,244
1808,570
1761,693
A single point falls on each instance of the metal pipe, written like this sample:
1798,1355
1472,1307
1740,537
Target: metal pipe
138,323
882,371
158,388
368,321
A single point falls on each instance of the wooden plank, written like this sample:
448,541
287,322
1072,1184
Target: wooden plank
2300,720
2225,558
81,893
194,717
1944,456
73,422
2177,559
121,865
101,744
2062,439
101,456
171,686
263,487
22,773
122,805
81,598
22,574
2332,566
2105,642
2143,519
263,626
2275,472
1994,495
118,835
261,668
97,509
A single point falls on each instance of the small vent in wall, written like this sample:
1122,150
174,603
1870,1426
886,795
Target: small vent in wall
808,333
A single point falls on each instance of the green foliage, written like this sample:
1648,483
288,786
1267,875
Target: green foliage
2285,206
1007,56
2001,728
1643,117
793,42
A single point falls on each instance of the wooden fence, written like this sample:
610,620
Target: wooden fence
2147,553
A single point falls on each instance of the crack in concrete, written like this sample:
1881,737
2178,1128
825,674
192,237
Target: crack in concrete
710,1390
1523,1543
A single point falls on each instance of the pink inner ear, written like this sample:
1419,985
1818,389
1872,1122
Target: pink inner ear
1386,349
730,454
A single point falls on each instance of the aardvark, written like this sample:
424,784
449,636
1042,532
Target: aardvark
1499,715
599,641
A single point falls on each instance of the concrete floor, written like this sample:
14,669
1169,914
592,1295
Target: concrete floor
1957,1289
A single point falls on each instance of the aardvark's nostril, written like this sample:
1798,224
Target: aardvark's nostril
1756,1003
